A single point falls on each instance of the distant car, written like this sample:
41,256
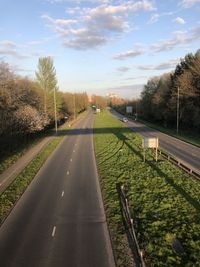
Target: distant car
124,119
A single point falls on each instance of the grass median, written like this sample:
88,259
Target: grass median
165,201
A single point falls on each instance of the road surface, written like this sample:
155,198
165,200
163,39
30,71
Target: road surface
60,219
182,150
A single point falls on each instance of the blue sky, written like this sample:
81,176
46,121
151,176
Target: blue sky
99,46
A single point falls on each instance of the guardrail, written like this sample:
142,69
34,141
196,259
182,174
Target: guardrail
129,226
181,164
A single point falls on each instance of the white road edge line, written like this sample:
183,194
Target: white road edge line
71,160
54,231
63,193
67,172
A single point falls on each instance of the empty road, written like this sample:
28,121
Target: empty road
60,219
182,150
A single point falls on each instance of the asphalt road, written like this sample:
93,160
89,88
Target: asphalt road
182,150
60,219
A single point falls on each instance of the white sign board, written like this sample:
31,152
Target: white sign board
150,142
129,109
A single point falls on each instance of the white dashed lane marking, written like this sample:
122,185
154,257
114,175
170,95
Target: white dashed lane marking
54,231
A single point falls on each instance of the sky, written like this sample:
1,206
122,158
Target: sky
99,46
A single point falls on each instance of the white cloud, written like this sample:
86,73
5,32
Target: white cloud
84,41
57,24
179,20
179,38
129,54
155,17
131,91
125,7
102,20
188,3
123,69
8,44
9,48
162,66
78,1
136,78
96,26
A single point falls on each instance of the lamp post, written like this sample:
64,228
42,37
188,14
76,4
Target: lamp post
55,109
74,107
177,111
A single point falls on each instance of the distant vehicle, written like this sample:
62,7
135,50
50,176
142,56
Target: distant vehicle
124,119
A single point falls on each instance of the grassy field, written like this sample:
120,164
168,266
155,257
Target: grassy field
165,201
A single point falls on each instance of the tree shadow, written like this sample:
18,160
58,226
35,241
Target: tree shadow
169,180
120,134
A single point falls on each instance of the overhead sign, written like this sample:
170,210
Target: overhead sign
150,142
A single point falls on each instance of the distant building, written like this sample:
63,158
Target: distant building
112,95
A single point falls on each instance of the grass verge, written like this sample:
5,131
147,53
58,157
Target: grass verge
165,201
12,194
11,157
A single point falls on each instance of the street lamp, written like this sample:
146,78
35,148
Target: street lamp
55,109
177,111
74,107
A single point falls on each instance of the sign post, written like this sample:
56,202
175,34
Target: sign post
129,109
150,142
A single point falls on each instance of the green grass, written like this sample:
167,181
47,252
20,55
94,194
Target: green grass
11,157
165,201
7,158
12,194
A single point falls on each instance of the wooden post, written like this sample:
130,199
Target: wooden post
144,154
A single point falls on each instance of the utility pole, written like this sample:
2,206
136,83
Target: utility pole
74,107
177,111
55,109
136,110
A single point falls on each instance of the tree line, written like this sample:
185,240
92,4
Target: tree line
29,106
170,98
175,96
